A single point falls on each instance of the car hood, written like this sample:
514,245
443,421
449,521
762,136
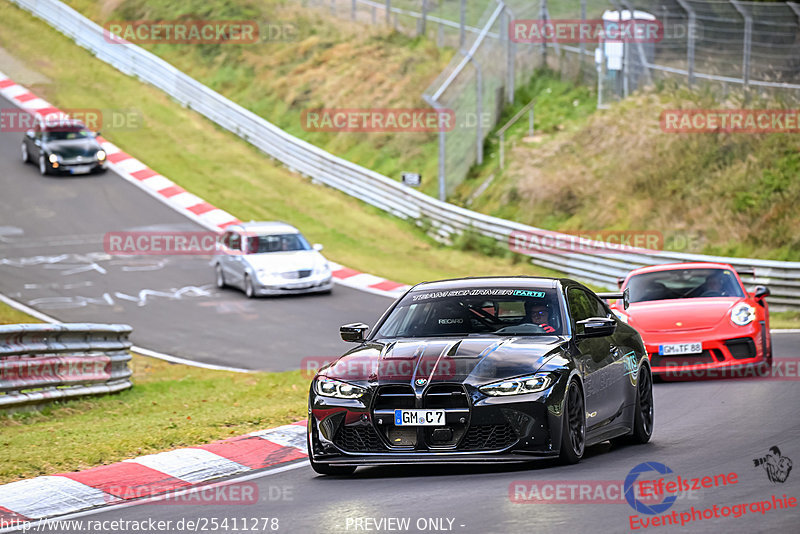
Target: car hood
74,147
477,360
285,261
680,314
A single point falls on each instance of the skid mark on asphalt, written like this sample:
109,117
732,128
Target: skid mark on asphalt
141,298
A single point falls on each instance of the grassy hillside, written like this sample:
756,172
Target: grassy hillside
712,193
328,62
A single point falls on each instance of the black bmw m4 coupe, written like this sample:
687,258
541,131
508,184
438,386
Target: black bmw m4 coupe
482,370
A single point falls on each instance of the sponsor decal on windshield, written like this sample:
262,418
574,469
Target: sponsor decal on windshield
480,292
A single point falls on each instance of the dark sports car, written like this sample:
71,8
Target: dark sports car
482,370
61,145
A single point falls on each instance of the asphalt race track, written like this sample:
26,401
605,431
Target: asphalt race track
701,429
52,259
51,235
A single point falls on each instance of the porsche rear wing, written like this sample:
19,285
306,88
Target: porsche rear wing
621,295
741,271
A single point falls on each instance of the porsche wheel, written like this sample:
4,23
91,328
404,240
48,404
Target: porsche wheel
573,434
43,166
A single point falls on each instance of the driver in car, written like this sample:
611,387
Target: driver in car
539,314
714,286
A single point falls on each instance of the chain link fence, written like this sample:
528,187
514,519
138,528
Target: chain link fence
726,44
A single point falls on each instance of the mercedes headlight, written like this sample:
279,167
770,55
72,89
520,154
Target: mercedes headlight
519,386
328,387
53,158
743,314
322,269
101,155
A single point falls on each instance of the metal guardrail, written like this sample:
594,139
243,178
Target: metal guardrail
42,362
600,267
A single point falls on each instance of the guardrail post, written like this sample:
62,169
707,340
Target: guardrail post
748,36
690,34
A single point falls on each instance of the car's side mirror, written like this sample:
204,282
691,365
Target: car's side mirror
353,332
317,247
762,292
596,327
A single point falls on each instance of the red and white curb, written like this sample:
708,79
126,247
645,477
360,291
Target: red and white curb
176,197
165,473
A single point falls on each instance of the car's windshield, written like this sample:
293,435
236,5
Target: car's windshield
64,133
470,310
258,244
684,283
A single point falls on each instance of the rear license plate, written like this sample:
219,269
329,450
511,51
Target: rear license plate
419,417
680,348
81,169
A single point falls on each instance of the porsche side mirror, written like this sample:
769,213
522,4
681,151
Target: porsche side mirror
317,247
353,332
762,292
596,327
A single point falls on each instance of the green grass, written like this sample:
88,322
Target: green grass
231,174
713,193
278,80
170,406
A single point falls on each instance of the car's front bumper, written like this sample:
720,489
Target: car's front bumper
495,429
734,347
78,168
311,284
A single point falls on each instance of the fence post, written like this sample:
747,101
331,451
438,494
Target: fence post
543,17
581,44
462,23
353,10
511,52
478,107
424,18
748,35
690,39
442,148
333,7
388,12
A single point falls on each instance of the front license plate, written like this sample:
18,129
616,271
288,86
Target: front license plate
680,348
81,169
419,417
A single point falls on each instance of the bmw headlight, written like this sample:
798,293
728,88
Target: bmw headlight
53,158
328,387
743,314
101,155
519,386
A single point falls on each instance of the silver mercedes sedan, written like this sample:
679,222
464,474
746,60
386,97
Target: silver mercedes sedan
270,258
